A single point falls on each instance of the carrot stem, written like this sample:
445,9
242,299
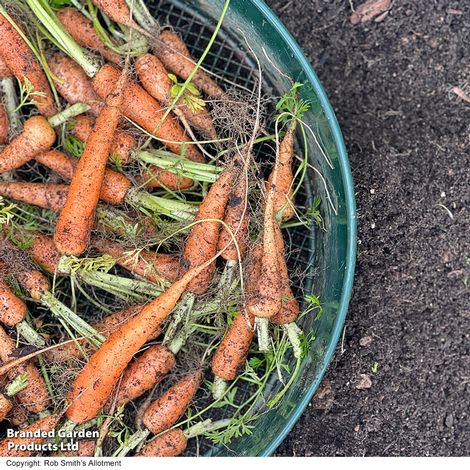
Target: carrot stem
7,86
30,335
219,388
206,426
142,15
262,327
294,334
67,113
183,309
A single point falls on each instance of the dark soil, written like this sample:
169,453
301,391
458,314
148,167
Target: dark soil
408,140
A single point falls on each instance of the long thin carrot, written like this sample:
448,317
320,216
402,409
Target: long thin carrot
72,82
77,217
12,308
140,107
4,124
18,446
24,65
95,383
174,54
37,136
84,34
155,79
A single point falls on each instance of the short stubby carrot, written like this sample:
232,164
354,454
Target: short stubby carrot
167,409
12,308
84,34
169,444
22,62
72,83
37,136
174,54
4,124
18,446
140,107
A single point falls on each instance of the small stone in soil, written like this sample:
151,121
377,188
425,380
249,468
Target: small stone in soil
364,382
366,341
324,398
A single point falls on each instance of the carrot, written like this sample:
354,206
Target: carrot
18,415
4,125
45,195
141,108
95,383
19,446
156,177
37,136
122,147
12,308
155,267
5,72
34,397
202,241
114,187
23,64
283,189
155,79
174,54
85,449
168,444
43,252
77,217
145,372
167,409
73,84
5,406
119,12
82,31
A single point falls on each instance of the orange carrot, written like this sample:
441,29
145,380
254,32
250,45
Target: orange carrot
155,79
43,252
167,409
140,107
142,374
122,147
115,185
12,308
37,136
174,54
34,397
5,406
82,31
119,12
73,84
77,217
85,449
18,446
168,444
5,72
156,177
4,125
95,383
46,195
202,241
23,64
155,267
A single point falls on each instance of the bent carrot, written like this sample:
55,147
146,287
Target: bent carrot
5,406
167,409
37,136
155,79
72,82
77,217
4,124
168,444
140,107
12,308
18,446
174,54
155,267
24,65
122,147
82,31
35,397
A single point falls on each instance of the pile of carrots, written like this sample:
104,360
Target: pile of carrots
87,221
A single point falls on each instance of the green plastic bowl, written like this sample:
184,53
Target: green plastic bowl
327,258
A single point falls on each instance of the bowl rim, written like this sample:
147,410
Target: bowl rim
351,219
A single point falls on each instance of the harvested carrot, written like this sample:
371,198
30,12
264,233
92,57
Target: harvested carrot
43,252
155,79
24,65
85,449
84,34
95,383
156,177
174,54
73,84
77,217
37,136
12,308
168,444
283,190
142,374
155,267
167,409
4,124
19,446
202,241
122,147
5,72
140,107
5,406
114,187
46,195
34,397
119,12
